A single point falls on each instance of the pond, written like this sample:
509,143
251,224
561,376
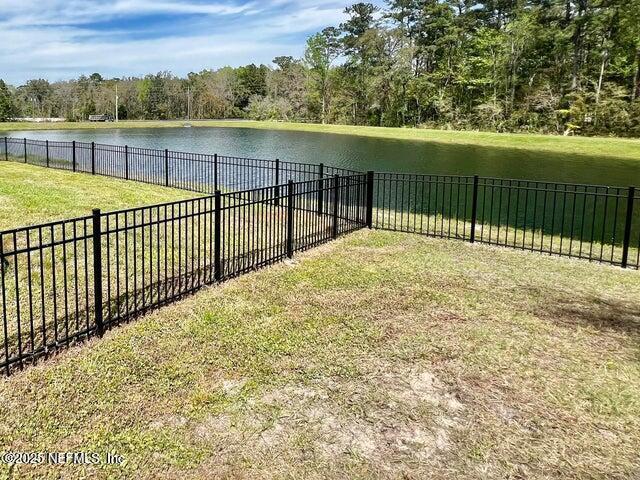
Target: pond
366,153
588,215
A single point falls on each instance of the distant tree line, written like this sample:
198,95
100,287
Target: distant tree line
549,66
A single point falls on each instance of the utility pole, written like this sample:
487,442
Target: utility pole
116,102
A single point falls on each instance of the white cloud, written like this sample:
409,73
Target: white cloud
57,39
150,6
60,12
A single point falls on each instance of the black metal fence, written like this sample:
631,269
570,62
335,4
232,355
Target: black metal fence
68,280
196,172
592,222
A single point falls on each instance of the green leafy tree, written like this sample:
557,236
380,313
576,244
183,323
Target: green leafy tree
250,80
287,85
358,47
7,107
322,49
37,95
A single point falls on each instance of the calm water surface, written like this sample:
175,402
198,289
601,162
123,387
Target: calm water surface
365,153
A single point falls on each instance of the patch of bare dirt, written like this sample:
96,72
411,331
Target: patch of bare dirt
168,421
387,419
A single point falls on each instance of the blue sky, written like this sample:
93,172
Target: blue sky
61,39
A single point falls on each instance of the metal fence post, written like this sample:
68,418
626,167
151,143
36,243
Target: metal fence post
93,158
347,196
97,270
369,217
73,146
215,171
627,227
277,189
166,167
320,188
217,261
25,150
46,143
6,149
474,209
290,188
336,200
126,162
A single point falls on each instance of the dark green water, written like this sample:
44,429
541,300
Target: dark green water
365,153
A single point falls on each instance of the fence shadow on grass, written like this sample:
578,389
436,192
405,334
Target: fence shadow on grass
603,314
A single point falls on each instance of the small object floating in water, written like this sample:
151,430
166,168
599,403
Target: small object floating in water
186,125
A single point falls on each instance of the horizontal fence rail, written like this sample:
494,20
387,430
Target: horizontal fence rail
69,280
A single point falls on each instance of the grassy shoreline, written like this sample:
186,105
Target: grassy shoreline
592,146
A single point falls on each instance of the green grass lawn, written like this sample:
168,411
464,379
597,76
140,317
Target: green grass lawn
597,146
30,195
381,355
